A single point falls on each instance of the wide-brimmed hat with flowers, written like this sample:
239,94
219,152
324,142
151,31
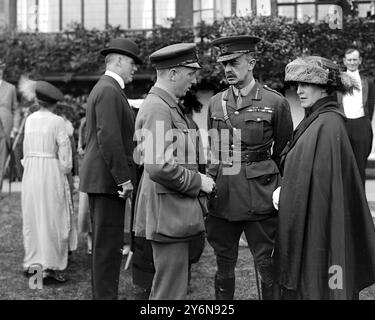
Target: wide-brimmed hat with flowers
320,71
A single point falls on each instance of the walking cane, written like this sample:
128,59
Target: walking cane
131,200
257,280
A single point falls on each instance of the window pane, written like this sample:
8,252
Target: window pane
363,9
207,4
243,7
286,11
165,9
196,17
197,4
141,14
48,15
285,1
208,16
323,12
306,12
94,14
26,15
264,7
118,13
71,12
223,8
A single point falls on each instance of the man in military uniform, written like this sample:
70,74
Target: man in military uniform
171,196
260,118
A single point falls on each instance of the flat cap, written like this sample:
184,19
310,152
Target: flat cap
232,47
175,55
47,92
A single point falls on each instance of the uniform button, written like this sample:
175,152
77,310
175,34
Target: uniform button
215,197
236,112
258,119
214,118
232,146
234,129
268,179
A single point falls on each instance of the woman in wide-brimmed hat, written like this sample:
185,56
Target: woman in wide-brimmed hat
325,247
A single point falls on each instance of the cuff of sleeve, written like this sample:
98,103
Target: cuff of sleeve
122,184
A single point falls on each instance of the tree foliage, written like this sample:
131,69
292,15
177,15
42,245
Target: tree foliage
76,50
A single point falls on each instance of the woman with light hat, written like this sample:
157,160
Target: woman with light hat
46,201
325,247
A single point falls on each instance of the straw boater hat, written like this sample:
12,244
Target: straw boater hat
320,71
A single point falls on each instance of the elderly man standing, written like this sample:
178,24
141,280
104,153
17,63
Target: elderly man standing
359,109
10,117
108,169
243,202
171,197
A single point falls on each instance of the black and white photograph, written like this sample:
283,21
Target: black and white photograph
207,151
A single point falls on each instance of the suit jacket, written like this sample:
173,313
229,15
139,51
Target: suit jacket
10,114
368,96
169,206
108,160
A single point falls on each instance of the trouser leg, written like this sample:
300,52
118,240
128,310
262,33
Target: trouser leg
224,236
360,136
3,156
107,213
261,237
171,262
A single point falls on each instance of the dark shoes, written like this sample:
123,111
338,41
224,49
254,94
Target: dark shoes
49,276
54,276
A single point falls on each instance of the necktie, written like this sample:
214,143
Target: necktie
239,99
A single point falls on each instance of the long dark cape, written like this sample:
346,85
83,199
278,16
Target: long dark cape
325,224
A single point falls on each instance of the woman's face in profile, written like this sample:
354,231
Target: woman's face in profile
308,94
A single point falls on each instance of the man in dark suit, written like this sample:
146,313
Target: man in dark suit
108,171
359,109
10,116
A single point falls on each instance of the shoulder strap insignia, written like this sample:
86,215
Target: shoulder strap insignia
272,90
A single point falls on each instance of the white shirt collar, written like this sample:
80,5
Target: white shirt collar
116,77
244,91
354,73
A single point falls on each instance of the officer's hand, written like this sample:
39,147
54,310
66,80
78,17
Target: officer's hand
127,190
208,183
276,197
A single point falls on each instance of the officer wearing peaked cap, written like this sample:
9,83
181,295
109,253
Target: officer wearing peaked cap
171,198
243,201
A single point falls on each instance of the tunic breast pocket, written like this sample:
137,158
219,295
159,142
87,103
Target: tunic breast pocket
255,124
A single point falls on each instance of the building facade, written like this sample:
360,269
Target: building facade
57,15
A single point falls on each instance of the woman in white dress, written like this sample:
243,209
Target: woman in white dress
46,201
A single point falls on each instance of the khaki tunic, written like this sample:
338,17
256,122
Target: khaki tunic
265,122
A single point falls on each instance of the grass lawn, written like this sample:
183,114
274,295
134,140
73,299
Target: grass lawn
13,285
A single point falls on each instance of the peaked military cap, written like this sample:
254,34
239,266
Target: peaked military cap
175,55
123,46
47,92
233,47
